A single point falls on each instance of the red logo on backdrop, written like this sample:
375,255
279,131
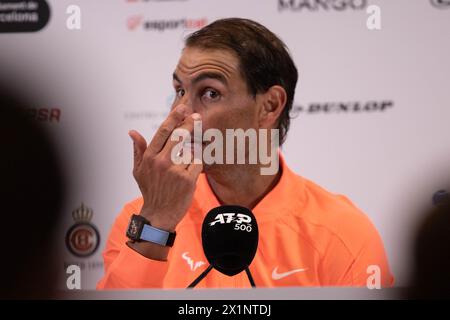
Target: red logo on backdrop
44,114
83,238
134,21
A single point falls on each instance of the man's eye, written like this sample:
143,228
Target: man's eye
211,94
179,93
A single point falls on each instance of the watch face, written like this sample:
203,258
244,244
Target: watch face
135,227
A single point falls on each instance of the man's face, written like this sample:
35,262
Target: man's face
209,83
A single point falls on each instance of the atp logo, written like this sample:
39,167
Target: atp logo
242,221
231,217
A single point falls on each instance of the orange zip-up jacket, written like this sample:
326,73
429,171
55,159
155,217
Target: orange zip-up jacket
307,237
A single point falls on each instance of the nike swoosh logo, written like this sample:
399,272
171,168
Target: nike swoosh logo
278,276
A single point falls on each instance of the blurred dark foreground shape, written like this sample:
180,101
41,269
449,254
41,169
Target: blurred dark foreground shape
431,276
31,191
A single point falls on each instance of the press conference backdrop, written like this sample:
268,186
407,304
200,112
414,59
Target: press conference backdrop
371,109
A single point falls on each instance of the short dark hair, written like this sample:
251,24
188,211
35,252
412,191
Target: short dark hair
264,59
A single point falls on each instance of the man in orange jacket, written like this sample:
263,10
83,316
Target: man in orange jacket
235,73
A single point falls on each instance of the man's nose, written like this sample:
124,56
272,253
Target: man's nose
187,101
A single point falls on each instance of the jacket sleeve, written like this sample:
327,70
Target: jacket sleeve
124,267
370,267
361,262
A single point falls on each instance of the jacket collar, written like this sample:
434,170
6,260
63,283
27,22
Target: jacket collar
286,196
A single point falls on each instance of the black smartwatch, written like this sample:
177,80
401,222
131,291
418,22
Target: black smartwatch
140,229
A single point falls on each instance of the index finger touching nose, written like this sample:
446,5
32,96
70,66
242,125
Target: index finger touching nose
175,117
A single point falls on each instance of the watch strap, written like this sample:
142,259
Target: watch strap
155,235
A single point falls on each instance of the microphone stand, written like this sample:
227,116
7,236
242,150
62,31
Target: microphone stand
200,277
204,273
250,278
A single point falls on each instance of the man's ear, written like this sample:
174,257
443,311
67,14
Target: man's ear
273,103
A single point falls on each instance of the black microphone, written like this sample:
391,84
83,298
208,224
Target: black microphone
230,240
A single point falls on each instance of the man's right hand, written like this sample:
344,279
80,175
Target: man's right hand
167,188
